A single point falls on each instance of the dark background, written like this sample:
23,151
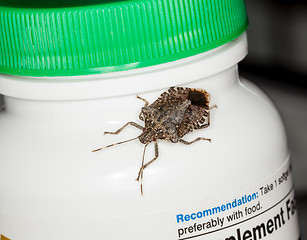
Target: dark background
277,62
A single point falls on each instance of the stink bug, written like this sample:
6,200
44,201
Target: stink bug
177,111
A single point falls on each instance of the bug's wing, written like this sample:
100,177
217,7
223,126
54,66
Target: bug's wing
197,113
172,96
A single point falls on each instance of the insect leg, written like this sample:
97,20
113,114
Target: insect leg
151,161
214,106
141,167
140,174
208,121
206,124
144,100
121,129
195,140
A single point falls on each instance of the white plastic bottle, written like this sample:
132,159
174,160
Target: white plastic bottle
75,71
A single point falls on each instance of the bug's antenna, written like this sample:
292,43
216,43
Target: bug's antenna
141,168
98,149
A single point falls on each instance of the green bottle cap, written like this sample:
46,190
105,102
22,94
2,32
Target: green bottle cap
68,38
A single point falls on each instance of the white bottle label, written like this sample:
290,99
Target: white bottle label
265,211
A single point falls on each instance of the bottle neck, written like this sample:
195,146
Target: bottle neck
83,109
87,97
180,72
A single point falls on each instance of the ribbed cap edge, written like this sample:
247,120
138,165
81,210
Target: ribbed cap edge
115,36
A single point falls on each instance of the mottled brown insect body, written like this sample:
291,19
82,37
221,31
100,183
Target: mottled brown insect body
175,113
162,122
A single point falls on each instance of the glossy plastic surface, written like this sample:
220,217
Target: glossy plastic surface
112,36
53,187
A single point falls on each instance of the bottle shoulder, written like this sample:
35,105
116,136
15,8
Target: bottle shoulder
248,143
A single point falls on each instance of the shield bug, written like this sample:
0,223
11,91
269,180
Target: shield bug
177,111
